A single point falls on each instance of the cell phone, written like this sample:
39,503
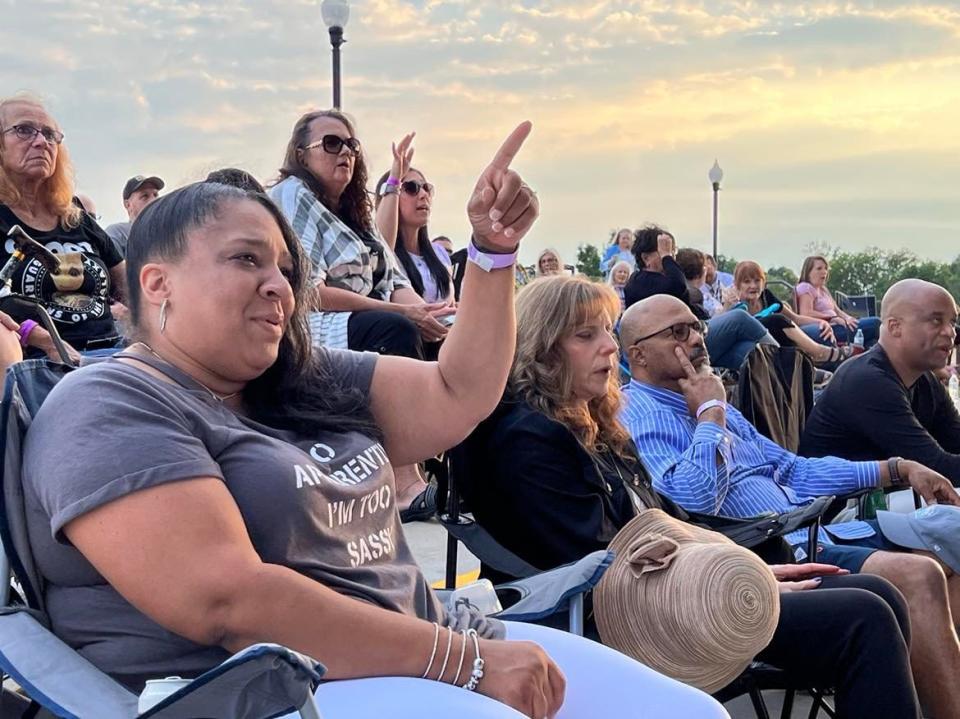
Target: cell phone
447,320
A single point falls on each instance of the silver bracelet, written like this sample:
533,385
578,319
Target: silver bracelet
446,657
463,653
433,654
477,674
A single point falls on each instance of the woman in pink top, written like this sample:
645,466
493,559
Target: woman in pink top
815,300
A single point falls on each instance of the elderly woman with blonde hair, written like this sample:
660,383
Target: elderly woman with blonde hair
549,263
37,193
561,477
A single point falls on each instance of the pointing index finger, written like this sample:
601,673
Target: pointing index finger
511,146
685,363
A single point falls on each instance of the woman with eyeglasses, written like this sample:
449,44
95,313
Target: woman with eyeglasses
549,263
362,299
37,193
404,199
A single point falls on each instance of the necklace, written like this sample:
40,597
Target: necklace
220,398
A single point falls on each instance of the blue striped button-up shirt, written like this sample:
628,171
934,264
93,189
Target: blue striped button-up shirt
736,472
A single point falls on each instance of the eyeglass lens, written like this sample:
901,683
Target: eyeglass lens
28,132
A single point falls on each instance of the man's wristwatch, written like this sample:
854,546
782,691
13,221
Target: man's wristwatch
387,189
893,467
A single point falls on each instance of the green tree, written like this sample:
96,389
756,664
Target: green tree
726,264
782,273
588,261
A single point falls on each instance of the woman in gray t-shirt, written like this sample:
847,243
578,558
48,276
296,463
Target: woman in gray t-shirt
220,484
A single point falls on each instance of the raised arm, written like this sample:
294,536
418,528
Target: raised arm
388,208
449,397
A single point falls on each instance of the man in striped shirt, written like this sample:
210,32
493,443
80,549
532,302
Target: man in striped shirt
708,458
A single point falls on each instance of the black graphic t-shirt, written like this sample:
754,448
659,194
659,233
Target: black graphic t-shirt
81,310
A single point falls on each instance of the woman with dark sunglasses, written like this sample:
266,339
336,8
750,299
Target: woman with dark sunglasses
404,199
363,300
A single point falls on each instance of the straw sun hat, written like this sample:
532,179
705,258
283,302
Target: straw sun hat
685,601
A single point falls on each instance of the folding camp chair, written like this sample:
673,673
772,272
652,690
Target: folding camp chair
264,680
459,477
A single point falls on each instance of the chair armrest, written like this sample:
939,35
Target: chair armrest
547,593
264,680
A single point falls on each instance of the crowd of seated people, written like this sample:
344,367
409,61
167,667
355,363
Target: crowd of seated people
558,475
732,334
224,379
281,334
706,457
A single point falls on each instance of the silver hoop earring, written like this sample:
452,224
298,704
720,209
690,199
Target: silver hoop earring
163,315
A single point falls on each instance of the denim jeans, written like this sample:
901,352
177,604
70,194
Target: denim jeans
732,335
869,325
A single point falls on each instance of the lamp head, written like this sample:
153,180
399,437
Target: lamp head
716,174
335,13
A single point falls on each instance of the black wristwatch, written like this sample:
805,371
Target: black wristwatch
893,466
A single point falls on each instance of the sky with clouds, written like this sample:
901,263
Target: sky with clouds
833,121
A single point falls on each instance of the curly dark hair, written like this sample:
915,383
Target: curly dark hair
355,208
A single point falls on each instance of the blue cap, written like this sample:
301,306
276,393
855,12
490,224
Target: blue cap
935,528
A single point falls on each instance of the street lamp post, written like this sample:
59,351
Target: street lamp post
335,14
716,174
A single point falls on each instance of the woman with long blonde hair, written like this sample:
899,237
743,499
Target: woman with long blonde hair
37,193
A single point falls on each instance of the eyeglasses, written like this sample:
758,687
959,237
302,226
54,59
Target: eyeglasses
412,187
681,331
333,144
28,132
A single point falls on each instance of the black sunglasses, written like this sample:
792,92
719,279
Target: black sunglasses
681,331
412,187
333,144
28,132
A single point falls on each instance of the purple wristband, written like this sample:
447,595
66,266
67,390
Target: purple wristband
392,181
26,327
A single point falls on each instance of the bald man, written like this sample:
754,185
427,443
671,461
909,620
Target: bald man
888,400
708,458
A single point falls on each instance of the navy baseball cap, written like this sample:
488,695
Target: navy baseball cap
135,183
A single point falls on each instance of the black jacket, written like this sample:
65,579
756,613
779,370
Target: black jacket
541,495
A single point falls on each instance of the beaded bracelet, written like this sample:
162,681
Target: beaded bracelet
433,654
477,674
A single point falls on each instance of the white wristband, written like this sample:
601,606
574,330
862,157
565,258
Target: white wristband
710,404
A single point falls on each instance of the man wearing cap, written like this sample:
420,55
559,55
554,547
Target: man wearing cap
894,383
139,192
708,458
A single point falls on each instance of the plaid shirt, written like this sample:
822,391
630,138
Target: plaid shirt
338,257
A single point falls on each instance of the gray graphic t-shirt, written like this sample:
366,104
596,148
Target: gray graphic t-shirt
323,505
